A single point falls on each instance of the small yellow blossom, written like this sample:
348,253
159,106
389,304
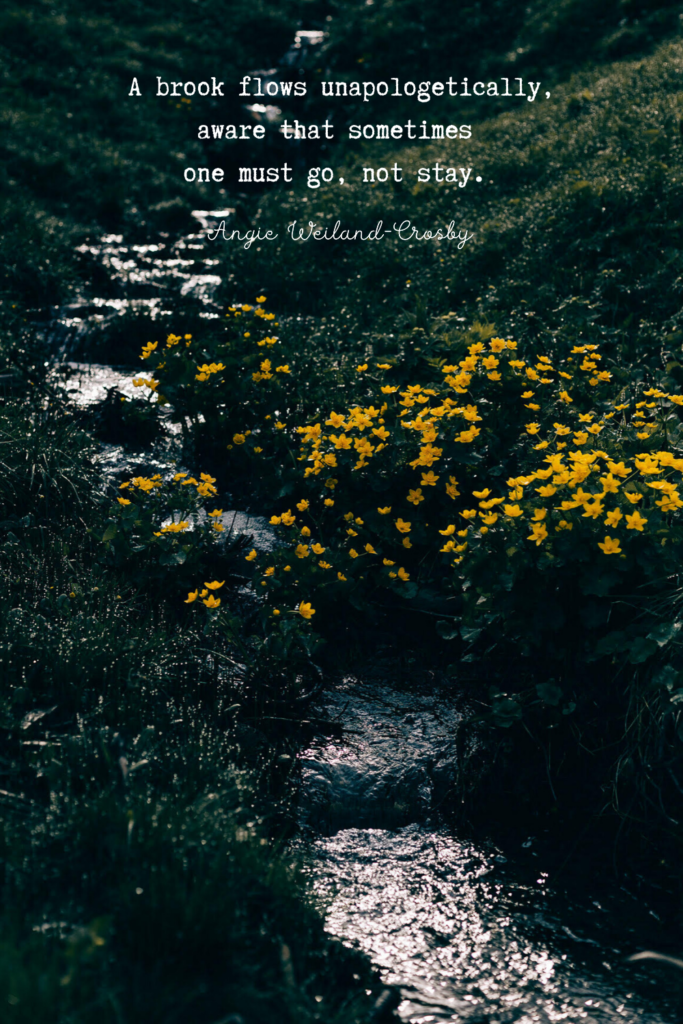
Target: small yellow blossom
539,532
635,521
192,596
610,546
306,610
301,551
403,527
403,575
251,556
212,602
215,585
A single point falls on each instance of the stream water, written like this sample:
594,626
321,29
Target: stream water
464,931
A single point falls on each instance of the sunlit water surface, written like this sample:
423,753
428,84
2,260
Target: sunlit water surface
443,919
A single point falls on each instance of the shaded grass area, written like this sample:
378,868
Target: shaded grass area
144,871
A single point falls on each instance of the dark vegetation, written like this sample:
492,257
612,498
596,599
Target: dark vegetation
146,787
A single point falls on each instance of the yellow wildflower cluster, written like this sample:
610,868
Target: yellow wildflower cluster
573,484
207,598
207,369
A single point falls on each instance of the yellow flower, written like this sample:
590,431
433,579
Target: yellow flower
448,531
452,487
305,532
123,501
370,550
192,596
212,602
539,514
387,561
317,549
490,518
329,502
546,491
564,525
384,366
238,438
324,565
415,496
218,527
635,521
251,556
565,397
429,479
562,431
148,349
633,496
353,553
276,611
305,610
361,368
270,571
513,511
406,542
283,369
403,575
301,551
614,517
539,532
469,513
341,577
388,389
216,512
610,546
404,527
384,511
593,509
215,585
175,527
302,505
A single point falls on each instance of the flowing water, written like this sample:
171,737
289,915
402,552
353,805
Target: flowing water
464,932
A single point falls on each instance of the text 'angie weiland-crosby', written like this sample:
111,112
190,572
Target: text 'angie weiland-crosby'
405,231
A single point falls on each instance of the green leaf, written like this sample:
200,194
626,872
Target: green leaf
506,712
641,650
613,643
664,632
550,693
469,634
110,532
446,630
667,677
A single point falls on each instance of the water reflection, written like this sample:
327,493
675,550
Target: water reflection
445,920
